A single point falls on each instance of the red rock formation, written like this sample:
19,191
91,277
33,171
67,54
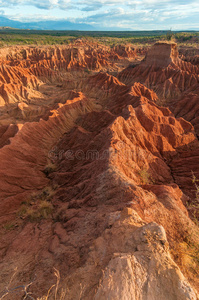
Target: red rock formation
22,67
174,80
188,107
27,153
163,71
66,57
15,84
6,132
120,170
125,51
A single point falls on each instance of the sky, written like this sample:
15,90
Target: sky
108,14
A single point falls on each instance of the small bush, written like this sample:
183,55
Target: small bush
8,226
87,71
145,176
38,206
161,102
49,168
45,209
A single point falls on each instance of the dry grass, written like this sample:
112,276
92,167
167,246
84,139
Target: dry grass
38,206
193,205
41,211
55,287
195,183
145,176
186,255
53,292
162,102
185,250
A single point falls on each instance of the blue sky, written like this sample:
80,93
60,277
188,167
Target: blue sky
105,14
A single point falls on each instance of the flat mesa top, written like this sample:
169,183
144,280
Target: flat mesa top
162,54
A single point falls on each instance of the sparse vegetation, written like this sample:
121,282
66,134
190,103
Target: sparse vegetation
193,205
186,255
54,291
194,181
185,251
77,213
161,102
87,71
49,168
145,176
8,226
38,206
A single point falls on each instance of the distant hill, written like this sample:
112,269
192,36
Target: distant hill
44,25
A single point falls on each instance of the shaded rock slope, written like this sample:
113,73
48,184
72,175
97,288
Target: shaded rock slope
96,176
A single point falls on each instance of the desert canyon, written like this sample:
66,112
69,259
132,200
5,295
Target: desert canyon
99,157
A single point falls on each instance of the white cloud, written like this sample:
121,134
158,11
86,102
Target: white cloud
44,4
131,14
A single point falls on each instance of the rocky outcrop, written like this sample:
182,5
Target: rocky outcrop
125,51
135,276
161,55
175,81
16,84
187,107
163,71
27,153
7,132
24,69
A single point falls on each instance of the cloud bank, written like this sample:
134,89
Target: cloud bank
119,14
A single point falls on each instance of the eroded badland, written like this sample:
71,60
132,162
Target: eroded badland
99,157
